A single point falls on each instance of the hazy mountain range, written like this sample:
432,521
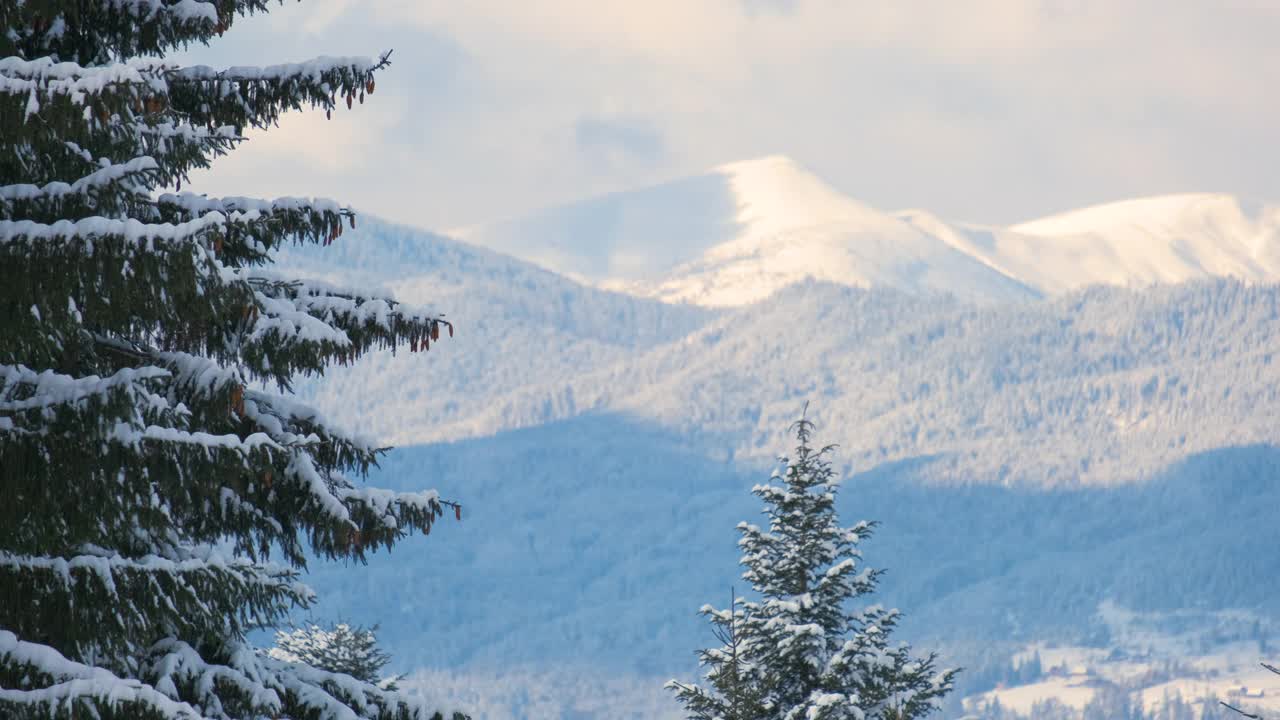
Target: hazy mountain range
1048,416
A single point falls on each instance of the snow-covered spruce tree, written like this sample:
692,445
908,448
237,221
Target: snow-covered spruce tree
340,648
801,651
145,475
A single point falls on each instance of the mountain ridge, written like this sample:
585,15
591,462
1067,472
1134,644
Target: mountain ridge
924,375
738,232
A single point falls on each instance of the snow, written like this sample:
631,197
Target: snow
283,319
272,412
200,560
128,435
302,467
166,131
978,388
48,388
311,69
108,175
77,680
1166,239
182,661
130,230
1160,666
205,375
740,232
183,10
735,235
1073,691
361,305
195,204
44,77
17,74
384,501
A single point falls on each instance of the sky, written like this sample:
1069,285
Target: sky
990,111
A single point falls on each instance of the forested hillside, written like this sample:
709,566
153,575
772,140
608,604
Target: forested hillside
635,523
515,325
1099,386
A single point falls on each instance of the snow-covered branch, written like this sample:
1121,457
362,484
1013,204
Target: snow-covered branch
72,684
99,228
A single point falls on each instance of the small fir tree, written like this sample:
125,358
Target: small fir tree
146,473
340,648
801,651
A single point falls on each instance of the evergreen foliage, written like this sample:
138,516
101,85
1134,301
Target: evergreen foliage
341,648
801,651
148,475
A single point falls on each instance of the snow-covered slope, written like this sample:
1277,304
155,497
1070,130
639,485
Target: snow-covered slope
515,325
794,227
739,232
1096,386
1135,243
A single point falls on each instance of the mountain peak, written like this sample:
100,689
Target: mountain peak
764,163
740,231
776,194
642,235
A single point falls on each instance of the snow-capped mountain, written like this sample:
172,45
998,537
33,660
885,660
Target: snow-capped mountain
739,232
1133,243
981,389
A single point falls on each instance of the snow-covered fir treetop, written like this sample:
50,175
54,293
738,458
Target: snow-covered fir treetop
139,429
342,648
799,649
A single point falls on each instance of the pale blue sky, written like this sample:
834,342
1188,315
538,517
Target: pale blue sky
986,110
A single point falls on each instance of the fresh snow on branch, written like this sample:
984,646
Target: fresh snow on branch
179,663
197,204
384,501
130,230
106,568
18,75
76,680
128,435
284,319
97,180
360,303
312,69
275,413
48,388
182,10
201,374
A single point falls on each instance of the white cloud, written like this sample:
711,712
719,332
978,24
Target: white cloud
306,152
1050,103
